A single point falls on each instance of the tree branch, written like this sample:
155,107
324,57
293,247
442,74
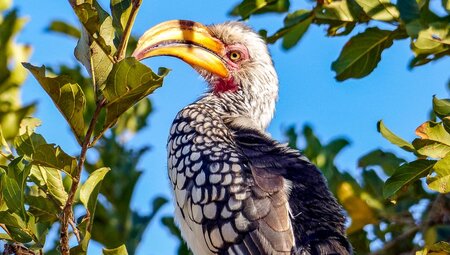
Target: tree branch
67,214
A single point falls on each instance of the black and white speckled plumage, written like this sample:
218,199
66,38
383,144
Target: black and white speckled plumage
236,190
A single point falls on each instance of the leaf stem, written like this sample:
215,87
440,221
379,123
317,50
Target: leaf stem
67,214
120,54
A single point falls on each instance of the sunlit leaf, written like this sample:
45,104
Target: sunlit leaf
120,10
441,107
393,138
65,28
35,148
342,11
4,145
29,124
379,9
250,7
67,96
90,189
406,174
121,250
12,219
361,53
129,82
433,40
431,148
95,47
441,182
93,17
50,180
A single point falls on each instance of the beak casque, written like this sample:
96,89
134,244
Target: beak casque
190,41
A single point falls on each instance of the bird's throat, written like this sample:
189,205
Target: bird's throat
225,85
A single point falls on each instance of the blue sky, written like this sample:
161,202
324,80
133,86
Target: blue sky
308,92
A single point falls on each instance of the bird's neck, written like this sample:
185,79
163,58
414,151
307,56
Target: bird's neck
254,103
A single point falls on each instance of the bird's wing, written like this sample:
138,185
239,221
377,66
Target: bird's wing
316,218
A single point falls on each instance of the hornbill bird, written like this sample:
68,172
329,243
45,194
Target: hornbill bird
236,190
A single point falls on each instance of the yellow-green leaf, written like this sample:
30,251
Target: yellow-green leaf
393,138
89,192
121,250
379,9
67,96
128,83
441,182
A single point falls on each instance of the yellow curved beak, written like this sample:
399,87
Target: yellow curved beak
190,41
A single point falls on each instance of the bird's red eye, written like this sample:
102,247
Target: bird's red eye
235,56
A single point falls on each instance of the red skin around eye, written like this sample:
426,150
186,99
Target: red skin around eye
228,84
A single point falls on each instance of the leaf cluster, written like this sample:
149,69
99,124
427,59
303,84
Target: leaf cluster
390,225
40,183
428,32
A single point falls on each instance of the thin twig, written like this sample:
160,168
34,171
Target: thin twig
67,214
120,54
75,230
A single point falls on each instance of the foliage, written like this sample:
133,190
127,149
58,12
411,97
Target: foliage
392,227
40,183
383,21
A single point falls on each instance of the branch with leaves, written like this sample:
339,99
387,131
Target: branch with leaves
383,21
41,175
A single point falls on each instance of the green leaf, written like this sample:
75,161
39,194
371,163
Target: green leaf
121,250
93,17
120,10
67,96
379,9
295,25
393,138
64,28
386,160
433,131
95,47
12,219
28,143
342,11
409,10
35,148
50,180
433,40
13,196
296,31
361,53
43,208
441,182
441,107
4,145
431,148
89,192
29,124
407,174
250,7
129,82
